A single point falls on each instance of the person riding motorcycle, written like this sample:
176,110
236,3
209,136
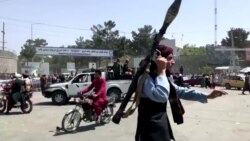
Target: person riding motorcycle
20,87
27,83
16,88
99,98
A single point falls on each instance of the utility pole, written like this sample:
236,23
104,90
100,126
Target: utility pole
3,31
215,23
233,52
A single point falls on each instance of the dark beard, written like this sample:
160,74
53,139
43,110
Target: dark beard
168,73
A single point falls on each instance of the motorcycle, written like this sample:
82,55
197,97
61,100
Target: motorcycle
6,101
84,111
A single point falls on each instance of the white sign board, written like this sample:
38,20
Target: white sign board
35,68
73,52
92,65
70,66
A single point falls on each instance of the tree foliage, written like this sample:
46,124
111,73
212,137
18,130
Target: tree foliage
142,40
105,36
28,50
216,58
192,50
239,37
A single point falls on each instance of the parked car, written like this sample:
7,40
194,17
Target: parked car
194,80
236,81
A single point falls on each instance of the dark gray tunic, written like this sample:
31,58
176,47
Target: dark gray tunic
153,123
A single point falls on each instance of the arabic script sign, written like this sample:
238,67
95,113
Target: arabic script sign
73,52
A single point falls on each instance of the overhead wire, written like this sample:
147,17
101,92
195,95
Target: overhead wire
3,1
42,23
85,29
122,32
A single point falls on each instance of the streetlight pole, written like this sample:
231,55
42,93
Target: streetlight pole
215,23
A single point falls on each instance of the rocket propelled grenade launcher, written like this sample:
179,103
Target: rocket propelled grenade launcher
170,16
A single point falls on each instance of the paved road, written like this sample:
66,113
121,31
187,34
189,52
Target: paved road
223,119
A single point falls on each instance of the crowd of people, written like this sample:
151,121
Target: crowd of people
120,71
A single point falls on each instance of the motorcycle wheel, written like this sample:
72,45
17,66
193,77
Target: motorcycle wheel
3,105
107,114
71,121
27,107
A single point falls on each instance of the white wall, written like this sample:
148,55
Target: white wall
36,68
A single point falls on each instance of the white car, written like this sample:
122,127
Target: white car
62,92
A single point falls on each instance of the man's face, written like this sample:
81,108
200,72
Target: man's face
97,76
170,61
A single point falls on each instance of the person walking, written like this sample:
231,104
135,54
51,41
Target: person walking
156,91
246,84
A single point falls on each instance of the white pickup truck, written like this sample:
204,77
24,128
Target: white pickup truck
62,92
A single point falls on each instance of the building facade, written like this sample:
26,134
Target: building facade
8,62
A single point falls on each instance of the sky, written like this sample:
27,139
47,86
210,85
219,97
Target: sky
61,22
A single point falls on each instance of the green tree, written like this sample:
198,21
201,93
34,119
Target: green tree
216,58
28,50
104,37
207,70
192,50
142,40
81,43
239,36
192,58
123,47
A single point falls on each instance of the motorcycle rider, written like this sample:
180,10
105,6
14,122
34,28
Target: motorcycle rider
28,83
17,84
99,98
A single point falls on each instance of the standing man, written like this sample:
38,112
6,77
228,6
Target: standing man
117,67
212,81
246,84
93,68
181,70
157,90
43,82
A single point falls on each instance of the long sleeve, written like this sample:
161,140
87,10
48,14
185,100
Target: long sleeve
90,87
157,90
189,94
